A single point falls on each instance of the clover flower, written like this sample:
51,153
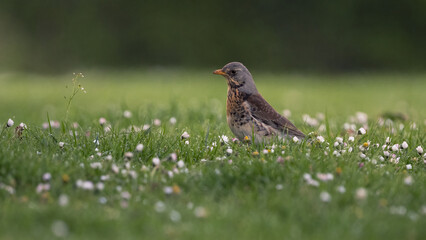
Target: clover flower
184,135
325,197
419,149
102,121
139,147
180,164
224,139
320,139
127,114
173,120
341,189
157,122
362,131
361,194
404,145
9,123
286,113
395,147
156,161
46,177
408,180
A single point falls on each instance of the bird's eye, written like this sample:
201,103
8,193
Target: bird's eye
233,72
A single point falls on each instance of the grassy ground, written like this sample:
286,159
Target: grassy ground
249,192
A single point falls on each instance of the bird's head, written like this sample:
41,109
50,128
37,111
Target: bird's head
238,76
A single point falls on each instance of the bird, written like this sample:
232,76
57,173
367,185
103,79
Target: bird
250,117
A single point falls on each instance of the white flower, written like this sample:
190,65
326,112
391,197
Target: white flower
350,149
61,144
180,164
362,131
157,122
128,155
320,116
175,216
419,149
127,114
295,139
200,212
287,113
115,168
313,122
100,186
173,120
168,190
96,165
265,151
105,177
336,153
102,121
187,142
173,156
42,187
156,161
325,177
145,127
320,139
336,144
361,117
341,189
409,166
388,140
159,206
362,155
229,151
139,147
307,176
279,187
322,128
63,200
408,180
126,195
86,185
23,125
361,194
395,147
184,135
325,197
47,177
224,139
404,145
309,180
351,139
9,123
339,139
386,153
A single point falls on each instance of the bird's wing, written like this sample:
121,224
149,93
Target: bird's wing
264,112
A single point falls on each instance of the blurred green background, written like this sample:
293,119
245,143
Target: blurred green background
309,35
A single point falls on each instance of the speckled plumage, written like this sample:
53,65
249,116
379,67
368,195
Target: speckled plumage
247,112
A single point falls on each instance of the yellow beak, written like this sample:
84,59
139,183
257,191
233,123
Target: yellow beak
219,72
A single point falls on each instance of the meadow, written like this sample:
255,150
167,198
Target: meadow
148,154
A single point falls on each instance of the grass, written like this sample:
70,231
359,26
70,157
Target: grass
253,197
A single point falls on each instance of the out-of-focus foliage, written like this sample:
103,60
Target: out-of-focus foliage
52,35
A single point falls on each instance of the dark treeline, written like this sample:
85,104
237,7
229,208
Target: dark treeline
334,35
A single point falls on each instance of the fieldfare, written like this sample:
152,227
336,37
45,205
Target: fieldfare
249,115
